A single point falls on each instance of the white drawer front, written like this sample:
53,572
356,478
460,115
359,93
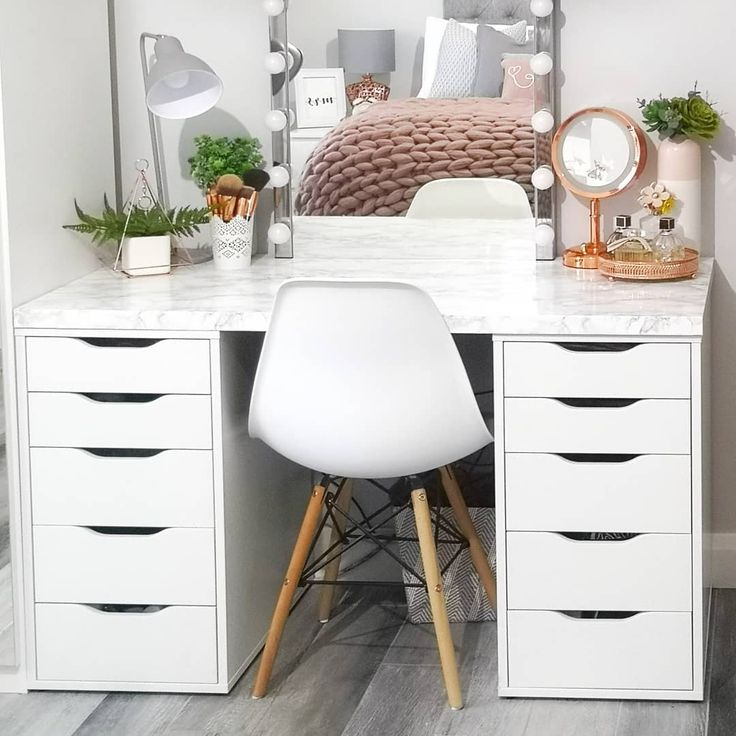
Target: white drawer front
654,370
651,572
132,366
76,487
80,565
74,420
646,427
649,493
173,645
649,651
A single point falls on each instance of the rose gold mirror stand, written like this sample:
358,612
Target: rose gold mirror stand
586,255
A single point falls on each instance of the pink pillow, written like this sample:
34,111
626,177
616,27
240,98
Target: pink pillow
518,78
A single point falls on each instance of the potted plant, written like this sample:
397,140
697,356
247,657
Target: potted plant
145,233
216,157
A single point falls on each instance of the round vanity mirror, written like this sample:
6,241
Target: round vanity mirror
597,153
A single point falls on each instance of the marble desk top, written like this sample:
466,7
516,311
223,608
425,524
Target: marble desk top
481,274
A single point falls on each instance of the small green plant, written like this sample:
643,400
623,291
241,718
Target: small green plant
693,116
111,225
218,156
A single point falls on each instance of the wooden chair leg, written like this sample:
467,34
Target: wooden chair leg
477,554
332,570
286,595
437,598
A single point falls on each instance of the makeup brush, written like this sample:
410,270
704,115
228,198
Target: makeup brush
256,178
229,185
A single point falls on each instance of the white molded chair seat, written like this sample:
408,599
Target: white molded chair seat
363,380
482,199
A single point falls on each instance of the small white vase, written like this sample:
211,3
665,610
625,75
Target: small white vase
146,256
679,167
232,243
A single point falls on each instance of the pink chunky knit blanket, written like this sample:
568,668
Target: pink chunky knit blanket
374,163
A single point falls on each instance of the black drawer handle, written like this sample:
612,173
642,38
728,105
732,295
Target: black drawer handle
127,531
599,615
598,347
599,403
122,398
593,458
125,608
119,342
594,537
118,452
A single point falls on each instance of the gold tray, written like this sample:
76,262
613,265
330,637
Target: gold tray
650,270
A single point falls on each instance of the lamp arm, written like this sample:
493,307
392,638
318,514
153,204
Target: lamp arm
154,127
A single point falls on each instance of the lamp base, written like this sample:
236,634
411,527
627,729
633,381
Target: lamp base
584,256
367,90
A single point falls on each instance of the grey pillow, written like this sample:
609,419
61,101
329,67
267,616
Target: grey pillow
492,45
457,63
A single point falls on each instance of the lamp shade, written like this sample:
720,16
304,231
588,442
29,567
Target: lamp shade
180,85
367,50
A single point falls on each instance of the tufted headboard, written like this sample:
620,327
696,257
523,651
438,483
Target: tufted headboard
489,11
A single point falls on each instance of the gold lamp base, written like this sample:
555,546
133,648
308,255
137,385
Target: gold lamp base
584,256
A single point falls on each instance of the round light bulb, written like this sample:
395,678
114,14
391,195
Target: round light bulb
275,63
177,80
273,7
542,8
279,233
544,236
541,64
543,121
276,120
543,178
280,176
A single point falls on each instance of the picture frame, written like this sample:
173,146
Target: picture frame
319,97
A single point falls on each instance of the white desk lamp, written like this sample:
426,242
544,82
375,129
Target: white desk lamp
178,86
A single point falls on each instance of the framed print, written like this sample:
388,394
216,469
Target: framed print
320,97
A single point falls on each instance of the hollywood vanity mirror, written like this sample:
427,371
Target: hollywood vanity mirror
389,99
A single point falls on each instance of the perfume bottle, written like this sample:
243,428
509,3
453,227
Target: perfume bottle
668,246
622,229
626,242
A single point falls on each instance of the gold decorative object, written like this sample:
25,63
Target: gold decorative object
597,153
650,270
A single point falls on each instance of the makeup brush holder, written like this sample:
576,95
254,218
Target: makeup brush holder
232,243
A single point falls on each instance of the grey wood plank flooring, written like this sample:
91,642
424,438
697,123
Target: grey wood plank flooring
367,673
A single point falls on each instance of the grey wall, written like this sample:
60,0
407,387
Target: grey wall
612,53
313,28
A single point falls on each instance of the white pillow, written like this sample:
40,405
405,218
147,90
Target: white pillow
434,33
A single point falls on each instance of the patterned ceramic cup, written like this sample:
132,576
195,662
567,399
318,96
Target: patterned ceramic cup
232,243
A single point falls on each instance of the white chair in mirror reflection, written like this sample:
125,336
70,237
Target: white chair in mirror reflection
361,380
482,199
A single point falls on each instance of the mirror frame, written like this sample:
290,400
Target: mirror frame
545,201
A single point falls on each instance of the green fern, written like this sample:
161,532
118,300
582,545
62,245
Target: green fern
111,224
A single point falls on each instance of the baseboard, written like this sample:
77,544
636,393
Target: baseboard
12,681
724,560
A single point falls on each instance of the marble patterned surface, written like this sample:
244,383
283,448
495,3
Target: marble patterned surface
481,274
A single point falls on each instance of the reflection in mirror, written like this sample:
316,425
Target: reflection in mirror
412,94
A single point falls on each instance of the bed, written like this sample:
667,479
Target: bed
374,162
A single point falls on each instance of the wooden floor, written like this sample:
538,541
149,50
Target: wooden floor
367,673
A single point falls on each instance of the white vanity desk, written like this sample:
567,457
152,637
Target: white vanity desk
224,509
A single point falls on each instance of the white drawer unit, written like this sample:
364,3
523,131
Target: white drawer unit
604,493
548,571
646,651
168,488
118,565
651,426
119,365
120,421
76,643
600,515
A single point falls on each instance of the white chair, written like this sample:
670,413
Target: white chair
363,380
482,199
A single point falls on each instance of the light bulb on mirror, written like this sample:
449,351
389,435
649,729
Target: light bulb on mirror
273,7
543,121
542,8
280,176
543,178
276,120
279,233
275,63
541,64
544,235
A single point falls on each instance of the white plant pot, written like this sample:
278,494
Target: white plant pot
146,256
232,243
